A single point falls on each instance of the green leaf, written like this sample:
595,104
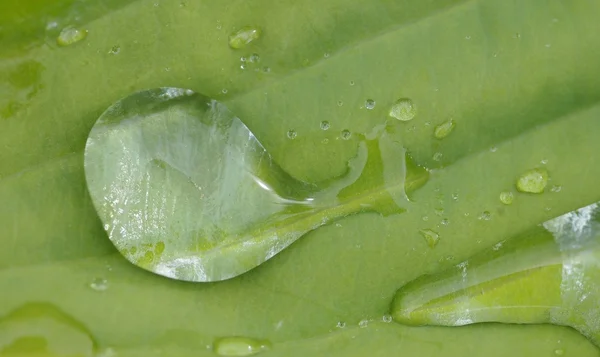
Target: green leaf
484,64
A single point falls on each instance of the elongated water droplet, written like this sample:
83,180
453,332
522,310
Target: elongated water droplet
242,37
324,125
533,181
370,104
291,134
99,284
443,130
239,346
431,237
404,109
70,35
507,197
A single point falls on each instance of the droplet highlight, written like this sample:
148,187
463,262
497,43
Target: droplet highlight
71,35
242,37
533,181
404,109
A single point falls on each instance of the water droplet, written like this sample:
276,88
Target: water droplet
346,134
548,209
340,103
51,25
455,196
224,90
493,149
291,134
431,237
556,188
507,197
99,284
114,50
242,66
326,55
363,323
243,59
242,37
559,352
352,83
495,54
425,218
369,104
437,156
548,45
445,221
70,35
254,58
219,27
517,35
239,346
266,69
324,125
439,211
387,318
341,324
167,69
544,161
444,129
485,216
404,109
533,181
468,37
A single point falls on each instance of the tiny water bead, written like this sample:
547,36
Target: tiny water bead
242,37
431,237
370,104
70,35
485,216
340,103
99,284
507,197
114,50
437,156
346,134
325,125
224,90
559,352
341,324
387,318
240,346
404,109
363,323
351,83
443,130
556,188
533,181
254,58
291,134
445,221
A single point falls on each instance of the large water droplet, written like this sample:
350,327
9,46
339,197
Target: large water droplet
325,125
387,318
346,134
431,237
443,130
404,109
70,35
507,197
242,37
533,181
370,104
239,346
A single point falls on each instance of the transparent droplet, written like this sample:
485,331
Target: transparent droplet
404,109
167,69
559,352
556,188
548,45
99,284
70,35
445,221
533,181
437,156
425,218
341,324
107,352
242,37
352,83
517,35
444,129
346,134
363,323
266,69
507,197
493,149
291,134
243,59
219,27
544,161
325,125
340,103
239,346
224,91
243,66
369,104
485,216
431,237
326,55
468,37
114,50
455,196
254,58
439,211
387,318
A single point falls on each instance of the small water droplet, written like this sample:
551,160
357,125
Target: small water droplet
548,45
548,209
291,134
242,37
437,156
485,216
468,37
155,4
554,20
239,346
325,125
352,83
346,134
444,129
507,197
533,181
517,35
266,69
70,35
544,161
403,109
493,149
439,211
425,218
326,55
99,284
224,90
431,237
445,221
369,104
167,69
559,352
363,323
219,27
341,324
495,54
556,188
340,103
427,123
243,66
387,318
243,59
254,58
455,196
114,50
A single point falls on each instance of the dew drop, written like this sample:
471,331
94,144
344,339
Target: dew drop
266,69
291,134
559,352
485,216
455,196
437,156
352,83
493,149
363,323
369,104
431,237
445,221
325,125
425,218
224,91
254,58
517,35
556,188
468,37
403,109
340,103
243,59
533,181
341,324
243,66
444,129
70,35
439,211
387,318
507,197
346,134
326,55
114,50
239,346
99,284
242,37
